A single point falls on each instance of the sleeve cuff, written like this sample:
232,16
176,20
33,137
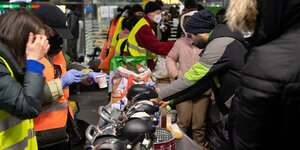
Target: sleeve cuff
171,102
34,66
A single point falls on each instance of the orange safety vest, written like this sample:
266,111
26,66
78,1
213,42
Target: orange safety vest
107,43
55,116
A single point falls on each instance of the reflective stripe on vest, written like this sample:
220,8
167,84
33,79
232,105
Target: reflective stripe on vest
116,33
104,50
107,44
111,34
133,47
54,116
118,47
16,134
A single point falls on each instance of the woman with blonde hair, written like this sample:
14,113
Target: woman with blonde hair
266,108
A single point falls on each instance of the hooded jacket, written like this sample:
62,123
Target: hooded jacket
267,108
219,67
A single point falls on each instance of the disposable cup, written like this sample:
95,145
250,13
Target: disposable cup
102,81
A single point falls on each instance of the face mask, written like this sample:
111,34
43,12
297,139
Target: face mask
157,18
55,43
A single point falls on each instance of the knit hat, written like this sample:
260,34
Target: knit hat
190,4
201,22
151,7
135,8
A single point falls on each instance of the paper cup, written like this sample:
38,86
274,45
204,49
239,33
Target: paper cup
102,81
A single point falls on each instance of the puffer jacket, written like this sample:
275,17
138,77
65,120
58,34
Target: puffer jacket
267,108
218,68
184,53
21,97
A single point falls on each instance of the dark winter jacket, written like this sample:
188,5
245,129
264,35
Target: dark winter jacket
268,112
219,68
73,23
21,97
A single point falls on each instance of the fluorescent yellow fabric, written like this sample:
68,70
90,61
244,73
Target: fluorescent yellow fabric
117,31
118,47
134,48
16,134
197,72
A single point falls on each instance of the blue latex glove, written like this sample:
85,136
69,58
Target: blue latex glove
92,76
70,77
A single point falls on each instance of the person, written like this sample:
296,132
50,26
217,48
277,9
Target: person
266,103
142,40
135,13
189,6
158,26
127,25
191,111
136,10
111,38
219,67
73,25
165,27
51,125
220,16
22,44
125,14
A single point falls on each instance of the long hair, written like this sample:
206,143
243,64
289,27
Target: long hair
15,26
241,14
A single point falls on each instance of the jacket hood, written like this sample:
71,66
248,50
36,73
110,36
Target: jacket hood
221,30
275,17
11,60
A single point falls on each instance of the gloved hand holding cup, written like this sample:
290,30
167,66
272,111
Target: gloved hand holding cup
97,77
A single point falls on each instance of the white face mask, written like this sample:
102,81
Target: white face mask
157,18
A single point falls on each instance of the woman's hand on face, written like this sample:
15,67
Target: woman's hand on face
37,46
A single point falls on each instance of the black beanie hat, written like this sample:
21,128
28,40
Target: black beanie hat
201,22
190,4
151,7
135,8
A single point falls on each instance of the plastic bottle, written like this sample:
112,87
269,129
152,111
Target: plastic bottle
163,122
169,116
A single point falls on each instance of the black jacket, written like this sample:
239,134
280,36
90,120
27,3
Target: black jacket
73,23
221,62
21,97
268,102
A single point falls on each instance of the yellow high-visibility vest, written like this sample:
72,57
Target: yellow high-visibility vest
117,31
15,133
119,44
133,47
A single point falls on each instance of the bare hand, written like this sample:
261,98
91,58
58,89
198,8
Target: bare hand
160,102
212,97
37,46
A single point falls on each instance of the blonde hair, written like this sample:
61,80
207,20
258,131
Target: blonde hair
241,15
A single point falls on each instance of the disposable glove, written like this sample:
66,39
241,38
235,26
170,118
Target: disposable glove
70,77
92,76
